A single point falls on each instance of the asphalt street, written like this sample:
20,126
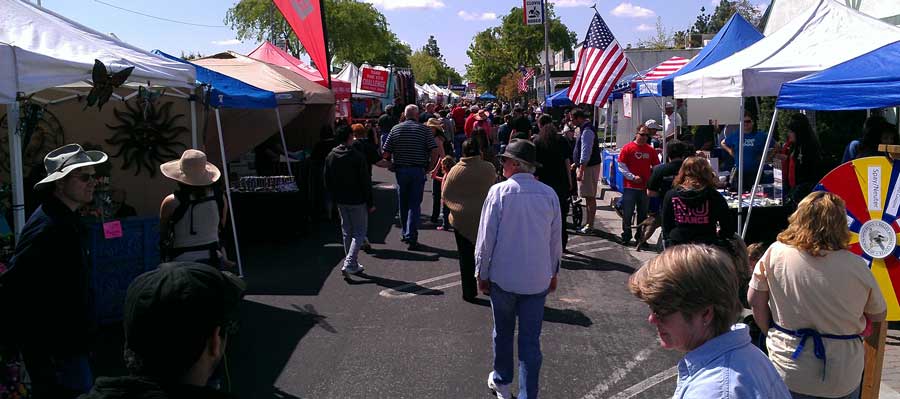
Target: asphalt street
401,330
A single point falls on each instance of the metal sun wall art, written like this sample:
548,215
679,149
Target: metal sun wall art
146,135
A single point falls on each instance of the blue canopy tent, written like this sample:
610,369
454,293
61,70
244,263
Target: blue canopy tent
487,96
736,35
871,80
224,91
559,99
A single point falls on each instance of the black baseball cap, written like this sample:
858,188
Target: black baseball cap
176,302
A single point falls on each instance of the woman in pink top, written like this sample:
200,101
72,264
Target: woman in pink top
817,297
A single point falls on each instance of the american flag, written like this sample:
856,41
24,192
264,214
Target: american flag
600,65
523,82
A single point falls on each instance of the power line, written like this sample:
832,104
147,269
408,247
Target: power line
159,18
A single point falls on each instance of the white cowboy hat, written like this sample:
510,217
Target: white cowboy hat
192,169
67,158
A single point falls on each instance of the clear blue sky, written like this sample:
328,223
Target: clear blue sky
452,22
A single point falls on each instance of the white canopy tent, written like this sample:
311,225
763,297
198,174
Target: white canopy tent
824,35
820,37
780,12
40,49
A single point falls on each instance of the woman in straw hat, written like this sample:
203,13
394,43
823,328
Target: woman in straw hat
191,217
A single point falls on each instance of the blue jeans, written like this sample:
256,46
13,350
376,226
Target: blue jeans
506,306
354,225
410,189
458,140
852,395
633,200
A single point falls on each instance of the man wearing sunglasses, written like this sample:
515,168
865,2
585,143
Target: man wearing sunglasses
177,322
636,161
49,280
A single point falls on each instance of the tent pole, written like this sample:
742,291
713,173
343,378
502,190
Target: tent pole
665,144
237,246
287,158
15,166
740,166
195,140
759,172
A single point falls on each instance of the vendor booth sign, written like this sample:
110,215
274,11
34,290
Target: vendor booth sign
626,105
374,80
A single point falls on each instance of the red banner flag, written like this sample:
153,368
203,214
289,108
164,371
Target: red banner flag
305,17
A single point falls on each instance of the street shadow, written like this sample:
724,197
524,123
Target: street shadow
382,221
567,316
261,349
576,261
298,267
552,315
398,285
443,253
386,253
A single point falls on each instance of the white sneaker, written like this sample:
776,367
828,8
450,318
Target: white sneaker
357,270
502,391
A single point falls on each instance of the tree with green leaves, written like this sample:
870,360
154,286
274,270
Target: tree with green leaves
431,48
661,40
357,31
500,50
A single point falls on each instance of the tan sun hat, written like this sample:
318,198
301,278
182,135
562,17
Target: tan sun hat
192,169
67,158
435,123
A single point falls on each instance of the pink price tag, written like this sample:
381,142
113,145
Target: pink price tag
112,229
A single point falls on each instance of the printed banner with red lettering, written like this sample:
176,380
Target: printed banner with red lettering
305,17
374,80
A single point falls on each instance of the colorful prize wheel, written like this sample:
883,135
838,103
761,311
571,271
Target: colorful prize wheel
870,189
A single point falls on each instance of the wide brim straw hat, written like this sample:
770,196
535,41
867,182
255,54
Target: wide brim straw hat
63,160
192,169
435,123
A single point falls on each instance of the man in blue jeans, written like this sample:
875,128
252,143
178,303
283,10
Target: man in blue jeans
348,180
412,149
517,258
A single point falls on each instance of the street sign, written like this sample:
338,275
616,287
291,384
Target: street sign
533,11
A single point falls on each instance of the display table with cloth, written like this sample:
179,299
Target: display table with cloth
117,260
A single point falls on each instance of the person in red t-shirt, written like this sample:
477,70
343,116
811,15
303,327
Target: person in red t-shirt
636,160
469,125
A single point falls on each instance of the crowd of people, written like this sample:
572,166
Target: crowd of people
503,181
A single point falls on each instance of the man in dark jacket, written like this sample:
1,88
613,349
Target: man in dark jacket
49,280
177,322
347,179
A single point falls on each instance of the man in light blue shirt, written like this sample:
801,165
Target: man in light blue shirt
517,257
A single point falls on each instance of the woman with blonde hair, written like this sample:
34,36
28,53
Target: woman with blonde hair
693,209
692,293
810,286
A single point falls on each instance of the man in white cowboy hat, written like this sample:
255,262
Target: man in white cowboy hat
517,255
191,217
49,280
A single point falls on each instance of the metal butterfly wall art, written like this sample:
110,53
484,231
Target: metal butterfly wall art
105,83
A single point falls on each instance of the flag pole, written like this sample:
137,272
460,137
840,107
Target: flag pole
325,37
628,61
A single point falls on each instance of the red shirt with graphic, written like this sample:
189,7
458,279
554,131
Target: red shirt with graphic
640,160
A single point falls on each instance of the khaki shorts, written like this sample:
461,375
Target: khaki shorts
587,187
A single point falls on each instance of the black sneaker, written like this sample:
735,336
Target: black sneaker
404,240
414,246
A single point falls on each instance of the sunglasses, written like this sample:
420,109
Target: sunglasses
84,177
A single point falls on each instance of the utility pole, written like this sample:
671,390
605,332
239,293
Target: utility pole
547,90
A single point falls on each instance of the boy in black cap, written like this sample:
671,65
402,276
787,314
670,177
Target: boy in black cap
177,322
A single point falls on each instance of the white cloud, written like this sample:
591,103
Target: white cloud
231,42
399,4
626,9
474,16
573,3
644,28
